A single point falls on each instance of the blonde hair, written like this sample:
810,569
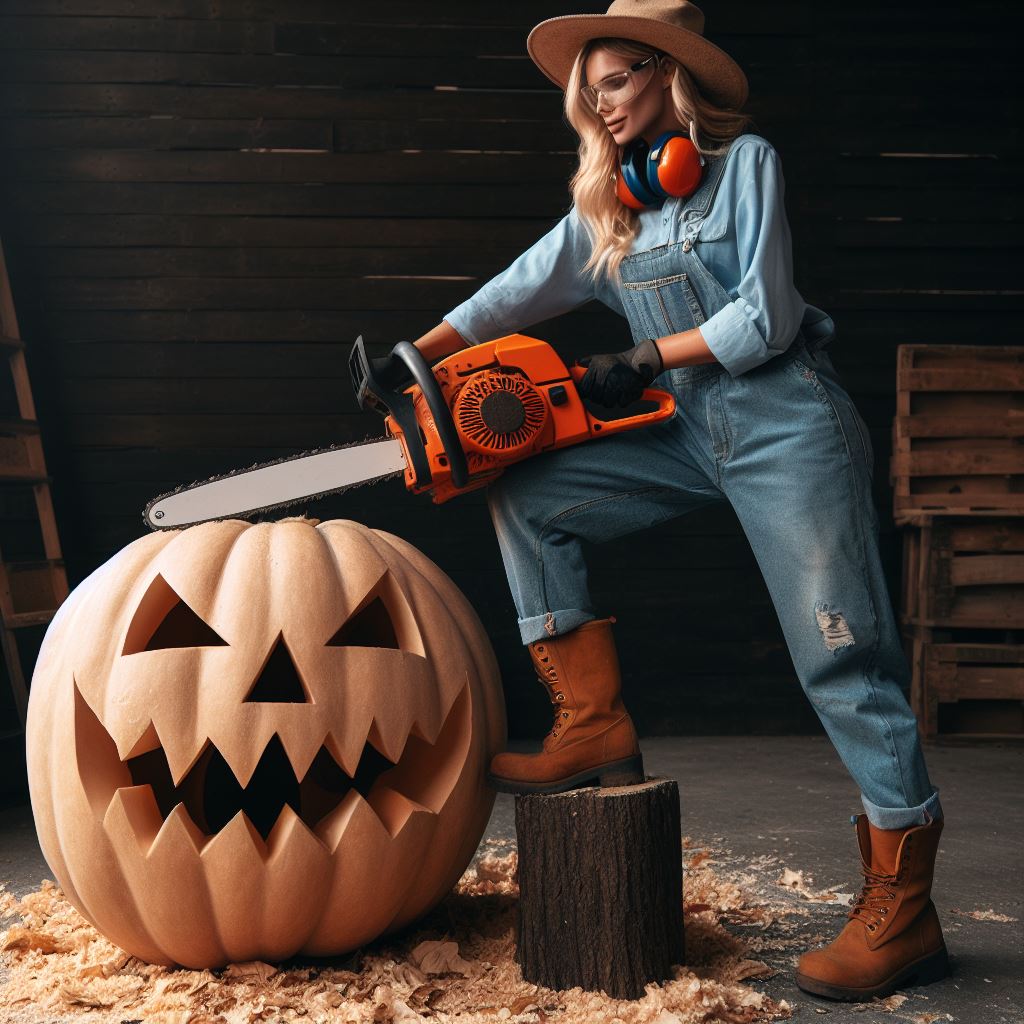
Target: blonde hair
612,225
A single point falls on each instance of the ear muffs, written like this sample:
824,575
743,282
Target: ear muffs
671,167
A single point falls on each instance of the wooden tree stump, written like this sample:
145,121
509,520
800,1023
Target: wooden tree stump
600,887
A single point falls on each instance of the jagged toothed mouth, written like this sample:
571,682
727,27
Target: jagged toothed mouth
210,798
213,796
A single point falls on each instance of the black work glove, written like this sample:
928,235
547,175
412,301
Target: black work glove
620,379
391,372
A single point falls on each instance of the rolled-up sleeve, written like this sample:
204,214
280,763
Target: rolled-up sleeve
543,282
766,311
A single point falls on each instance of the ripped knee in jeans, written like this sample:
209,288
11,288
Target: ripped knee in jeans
833,626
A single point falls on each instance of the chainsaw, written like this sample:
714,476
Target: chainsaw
454,429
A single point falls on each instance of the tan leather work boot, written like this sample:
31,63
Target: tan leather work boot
893,937
592,740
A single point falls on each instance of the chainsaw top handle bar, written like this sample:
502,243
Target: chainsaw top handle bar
372,392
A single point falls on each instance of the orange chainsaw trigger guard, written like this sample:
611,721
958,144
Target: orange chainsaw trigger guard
510,398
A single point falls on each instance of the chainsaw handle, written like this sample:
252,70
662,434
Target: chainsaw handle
371,390
382,395
665,401
443,419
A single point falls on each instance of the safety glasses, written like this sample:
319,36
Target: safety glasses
620,87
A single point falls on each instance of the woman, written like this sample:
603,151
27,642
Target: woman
704,277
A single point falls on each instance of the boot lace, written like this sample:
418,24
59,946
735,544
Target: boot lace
873,903
549,679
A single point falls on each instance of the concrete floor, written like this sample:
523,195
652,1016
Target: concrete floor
790,798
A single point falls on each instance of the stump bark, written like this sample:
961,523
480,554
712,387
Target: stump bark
600,887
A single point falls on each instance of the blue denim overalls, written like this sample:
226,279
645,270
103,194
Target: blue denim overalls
784,445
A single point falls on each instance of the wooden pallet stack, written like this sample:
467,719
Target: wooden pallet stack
958,476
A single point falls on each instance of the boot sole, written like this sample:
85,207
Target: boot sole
626,772
933,967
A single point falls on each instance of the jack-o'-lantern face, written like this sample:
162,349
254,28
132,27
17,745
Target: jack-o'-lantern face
279,736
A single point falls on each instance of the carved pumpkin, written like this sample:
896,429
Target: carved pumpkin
247,741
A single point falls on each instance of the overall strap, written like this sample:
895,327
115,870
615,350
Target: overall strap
699,203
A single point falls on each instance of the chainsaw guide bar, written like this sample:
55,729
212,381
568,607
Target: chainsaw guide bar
159,513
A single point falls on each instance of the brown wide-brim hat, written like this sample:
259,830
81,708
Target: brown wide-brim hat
676,27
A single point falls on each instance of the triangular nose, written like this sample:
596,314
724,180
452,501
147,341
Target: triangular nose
280,680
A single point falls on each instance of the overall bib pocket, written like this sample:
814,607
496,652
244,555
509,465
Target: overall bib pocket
663,294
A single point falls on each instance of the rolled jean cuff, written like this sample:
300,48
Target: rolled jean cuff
902,817
540,627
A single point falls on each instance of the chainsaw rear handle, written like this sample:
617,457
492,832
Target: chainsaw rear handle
381,395
665,406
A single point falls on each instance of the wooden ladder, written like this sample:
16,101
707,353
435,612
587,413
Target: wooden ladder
30,592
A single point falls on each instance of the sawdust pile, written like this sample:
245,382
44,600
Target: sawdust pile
455,965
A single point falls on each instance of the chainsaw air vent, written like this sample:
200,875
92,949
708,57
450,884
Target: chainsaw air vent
499,413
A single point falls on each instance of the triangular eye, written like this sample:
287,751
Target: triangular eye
163,620
371,626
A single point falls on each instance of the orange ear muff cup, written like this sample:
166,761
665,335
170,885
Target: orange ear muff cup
678,169
625,196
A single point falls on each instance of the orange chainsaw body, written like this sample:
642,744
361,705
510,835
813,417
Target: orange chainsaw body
509,398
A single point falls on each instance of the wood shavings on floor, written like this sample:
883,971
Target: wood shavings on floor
986,915
455,965
790,879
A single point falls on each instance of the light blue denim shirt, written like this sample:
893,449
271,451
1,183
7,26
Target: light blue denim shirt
745,243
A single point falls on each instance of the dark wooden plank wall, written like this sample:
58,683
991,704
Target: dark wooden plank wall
205,201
